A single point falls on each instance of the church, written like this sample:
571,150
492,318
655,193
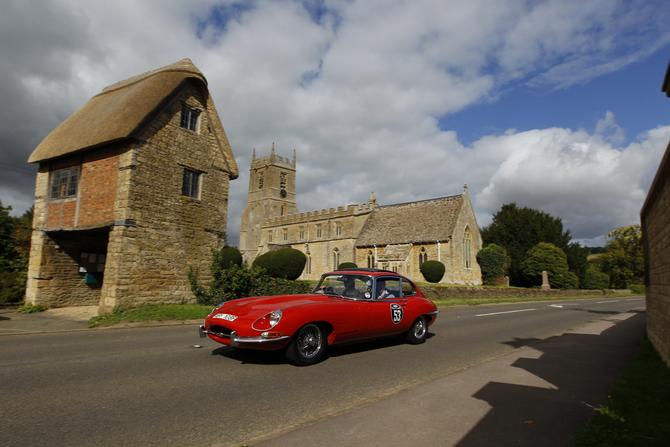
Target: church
397,237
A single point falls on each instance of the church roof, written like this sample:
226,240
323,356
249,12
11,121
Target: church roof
415,222
123,110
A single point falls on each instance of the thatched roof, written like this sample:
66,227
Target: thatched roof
125,109
415,222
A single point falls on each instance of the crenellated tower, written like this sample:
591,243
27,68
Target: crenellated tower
271,194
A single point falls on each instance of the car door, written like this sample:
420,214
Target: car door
388,312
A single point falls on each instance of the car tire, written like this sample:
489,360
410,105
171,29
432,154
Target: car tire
418,331
308,345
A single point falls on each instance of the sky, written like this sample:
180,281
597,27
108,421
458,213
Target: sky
552,104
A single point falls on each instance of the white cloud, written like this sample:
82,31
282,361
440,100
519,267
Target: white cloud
357,89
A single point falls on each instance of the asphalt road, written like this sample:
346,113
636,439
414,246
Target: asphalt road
150,386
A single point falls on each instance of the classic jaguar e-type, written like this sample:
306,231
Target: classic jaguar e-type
346,305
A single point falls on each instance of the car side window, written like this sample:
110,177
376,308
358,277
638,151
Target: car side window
408,288
388,288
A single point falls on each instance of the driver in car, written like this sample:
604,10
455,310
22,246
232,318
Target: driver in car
382,292
350,290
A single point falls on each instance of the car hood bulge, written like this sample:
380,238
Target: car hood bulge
257,307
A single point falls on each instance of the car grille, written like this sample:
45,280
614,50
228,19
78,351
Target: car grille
215,328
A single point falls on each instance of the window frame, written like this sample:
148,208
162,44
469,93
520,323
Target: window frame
187,188
71,187
189,118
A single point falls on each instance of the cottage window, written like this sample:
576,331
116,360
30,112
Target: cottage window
318,230
191,185
338,230
269,236
189,118
64,183
285,234
302,232
467,249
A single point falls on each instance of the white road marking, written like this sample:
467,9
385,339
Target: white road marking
555,305
508,312
603,302
634,299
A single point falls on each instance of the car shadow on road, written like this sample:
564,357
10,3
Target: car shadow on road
277,357
550,390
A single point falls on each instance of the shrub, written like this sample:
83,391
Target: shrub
432,271
347,265
637,289
241,282
228,256
595,279
493,261
545,256
285,263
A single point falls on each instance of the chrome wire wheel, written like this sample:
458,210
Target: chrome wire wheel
417,333
419,328
309,341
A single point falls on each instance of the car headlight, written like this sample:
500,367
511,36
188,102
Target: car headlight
267,321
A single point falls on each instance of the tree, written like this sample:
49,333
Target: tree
623,259
578,260
15,236
518,230
7,227
493,261
227,257
548,257
595,279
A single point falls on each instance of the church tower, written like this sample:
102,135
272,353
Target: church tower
271,194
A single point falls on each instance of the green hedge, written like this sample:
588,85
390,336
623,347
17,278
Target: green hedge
228,256
493,261
347,265
432,271
285,263
241,282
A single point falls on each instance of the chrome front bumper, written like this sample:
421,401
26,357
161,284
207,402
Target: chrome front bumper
236,340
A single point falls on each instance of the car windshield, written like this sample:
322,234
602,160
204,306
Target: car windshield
345,285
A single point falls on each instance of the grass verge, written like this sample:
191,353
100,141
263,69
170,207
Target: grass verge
637,411
152,313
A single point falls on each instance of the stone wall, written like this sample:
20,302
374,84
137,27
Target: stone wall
163,232
449,293
656,239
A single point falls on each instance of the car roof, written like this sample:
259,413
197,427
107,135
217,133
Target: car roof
366,271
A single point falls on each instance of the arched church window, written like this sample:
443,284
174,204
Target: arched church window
467,249
423,256
308,263
336,258
371,260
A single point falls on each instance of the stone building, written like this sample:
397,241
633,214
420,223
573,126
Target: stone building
131,191
395,237
655,219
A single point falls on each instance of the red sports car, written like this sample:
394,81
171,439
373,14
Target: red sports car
346,305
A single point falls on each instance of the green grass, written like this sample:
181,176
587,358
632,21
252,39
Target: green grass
637,411
152,313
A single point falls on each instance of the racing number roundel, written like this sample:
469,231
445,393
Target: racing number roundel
396,313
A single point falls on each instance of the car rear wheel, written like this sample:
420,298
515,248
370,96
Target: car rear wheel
418,331
308,345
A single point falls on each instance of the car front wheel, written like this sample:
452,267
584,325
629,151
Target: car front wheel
418,331
308,345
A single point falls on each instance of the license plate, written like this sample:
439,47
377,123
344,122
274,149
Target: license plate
226,317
